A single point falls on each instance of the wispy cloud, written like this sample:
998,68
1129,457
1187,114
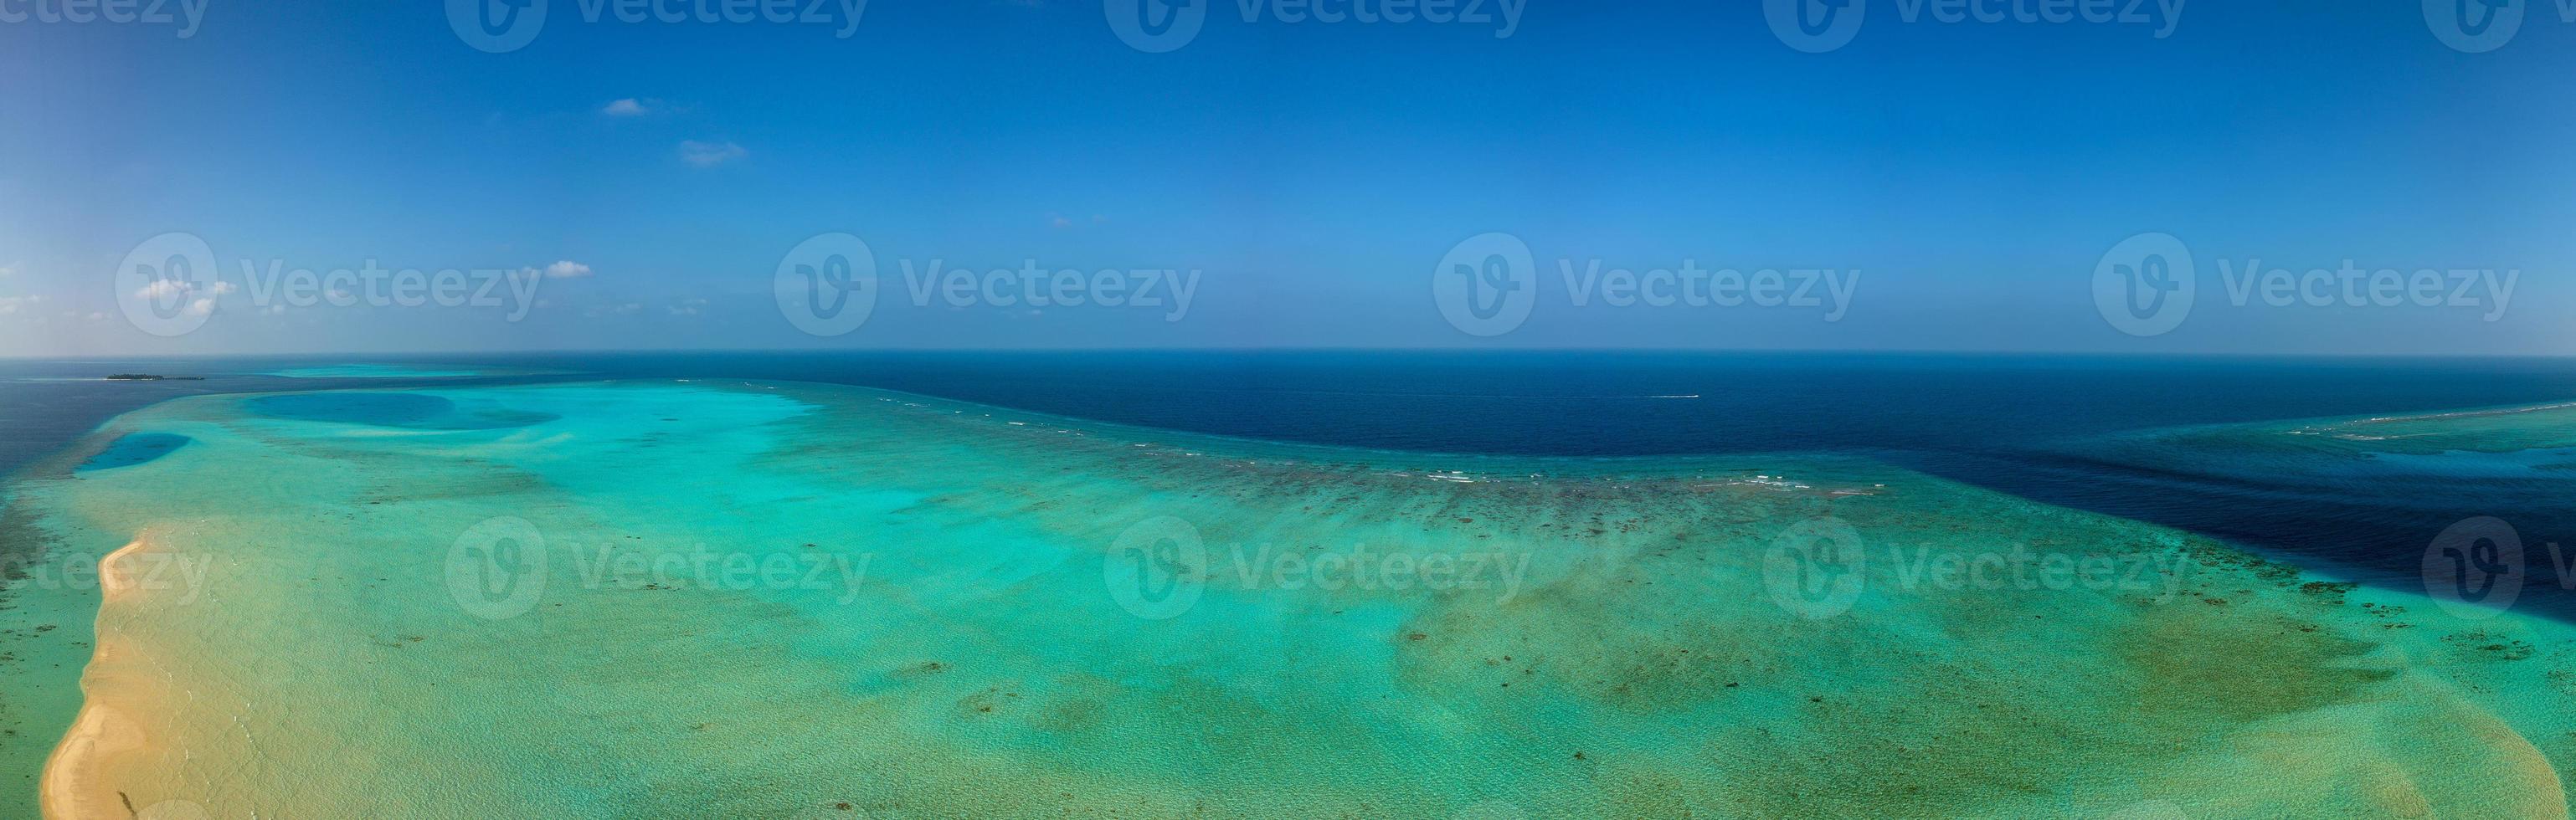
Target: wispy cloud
567,269
11,304
628,107
174,288
710,154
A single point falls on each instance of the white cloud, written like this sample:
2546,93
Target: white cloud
10,269
567,269
201,307
629,107
173,288
11,304
710,154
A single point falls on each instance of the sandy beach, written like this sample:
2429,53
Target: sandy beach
74,786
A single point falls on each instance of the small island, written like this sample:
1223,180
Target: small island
147,377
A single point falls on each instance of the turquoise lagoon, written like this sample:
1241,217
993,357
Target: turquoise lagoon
688,599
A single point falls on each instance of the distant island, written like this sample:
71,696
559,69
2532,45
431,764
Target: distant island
147,377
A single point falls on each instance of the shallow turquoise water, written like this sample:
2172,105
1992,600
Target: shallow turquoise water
412,410
669,599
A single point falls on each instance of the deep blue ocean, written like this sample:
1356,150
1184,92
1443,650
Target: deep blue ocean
2026,425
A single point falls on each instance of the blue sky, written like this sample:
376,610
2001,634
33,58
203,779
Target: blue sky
1314,175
